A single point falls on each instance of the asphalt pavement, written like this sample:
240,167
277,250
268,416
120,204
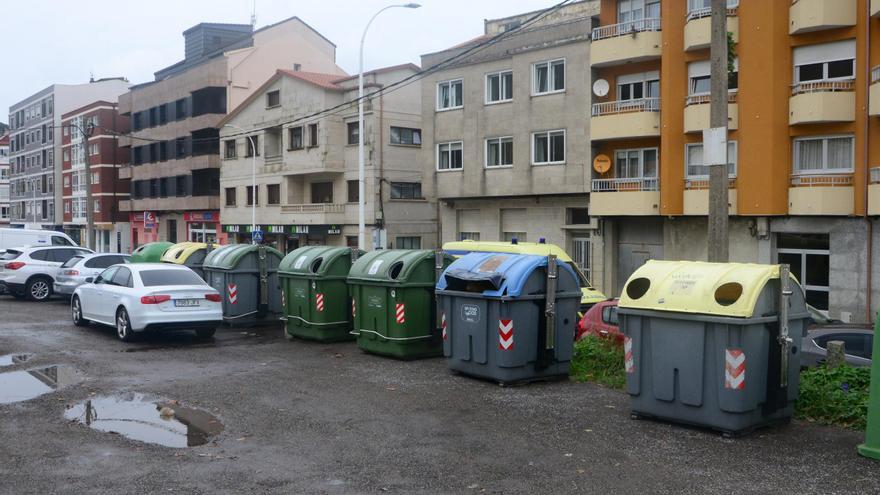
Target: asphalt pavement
303,417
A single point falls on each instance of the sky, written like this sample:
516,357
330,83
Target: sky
60,41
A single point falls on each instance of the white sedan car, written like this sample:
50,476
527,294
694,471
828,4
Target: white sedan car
140,297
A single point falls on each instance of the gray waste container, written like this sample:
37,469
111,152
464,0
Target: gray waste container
247,277
702,343
495,322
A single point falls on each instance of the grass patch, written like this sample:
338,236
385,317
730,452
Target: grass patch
598,360
837,396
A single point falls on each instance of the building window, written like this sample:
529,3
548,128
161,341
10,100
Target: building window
96,178
499,87
353,191
636,10
809,256
580,252
499,152
66,155
322,192
406,190
636,163
273,98
636,87
230,148
695,167
230,196
273,194
353,132
469,236
577,216
313,135
817,155
252,142
250,196
65,131
408,243
67,207
548,147
699,77
94,149
296,138
449,156
180,109
180,147
548,77
405,135
825,62
449,94
96,208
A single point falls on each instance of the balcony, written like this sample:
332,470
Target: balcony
627,42
822,101
625,197
815,15
698,30
874,92
696,196
625,119
875,8
825,194
696,113
315,213
171,203
874,192
124,172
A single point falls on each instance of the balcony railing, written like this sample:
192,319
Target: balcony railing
703,183
626,106
314,208
629,27
875,175
626,184
823,87
707,11
707,98
821,180
875,74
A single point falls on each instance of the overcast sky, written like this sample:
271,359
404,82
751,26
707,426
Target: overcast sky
60,41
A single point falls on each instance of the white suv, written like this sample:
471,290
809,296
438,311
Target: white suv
30,271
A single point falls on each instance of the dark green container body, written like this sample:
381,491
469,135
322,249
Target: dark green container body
315,300
150,252
246,276
395,313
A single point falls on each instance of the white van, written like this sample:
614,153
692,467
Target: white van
13,238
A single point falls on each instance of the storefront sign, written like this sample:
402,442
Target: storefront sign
200,216
149,220
293,230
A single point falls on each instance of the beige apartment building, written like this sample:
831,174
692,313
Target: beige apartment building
506,133
175,153
307,168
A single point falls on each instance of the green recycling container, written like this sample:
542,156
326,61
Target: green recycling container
246,275
150,252
395,313
315,296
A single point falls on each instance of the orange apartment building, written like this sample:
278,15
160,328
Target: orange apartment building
804,134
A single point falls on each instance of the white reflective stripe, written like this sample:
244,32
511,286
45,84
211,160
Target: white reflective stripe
313,323
391,338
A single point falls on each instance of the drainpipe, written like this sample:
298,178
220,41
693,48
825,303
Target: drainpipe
870,244
383,225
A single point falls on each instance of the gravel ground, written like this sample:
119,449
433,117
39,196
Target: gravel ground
313,418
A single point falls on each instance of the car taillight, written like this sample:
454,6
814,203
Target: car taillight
213,297
71,273
155,299
14,265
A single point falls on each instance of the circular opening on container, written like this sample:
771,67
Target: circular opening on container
179,254
316,265
728,293
395,270
565,321
637,287
794,349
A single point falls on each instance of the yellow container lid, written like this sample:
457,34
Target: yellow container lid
180,252
721,289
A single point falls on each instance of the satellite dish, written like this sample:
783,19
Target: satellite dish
600,87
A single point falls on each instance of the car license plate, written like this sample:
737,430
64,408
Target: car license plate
186,303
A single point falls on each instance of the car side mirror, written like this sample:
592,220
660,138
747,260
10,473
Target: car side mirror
93,280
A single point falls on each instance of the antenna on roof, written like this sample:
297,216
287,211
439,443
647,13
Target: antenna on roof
91,76
254,16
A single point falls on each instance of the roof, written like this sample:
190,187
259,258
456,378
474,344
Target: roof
304,23
247,28
408,65
97,103
4,139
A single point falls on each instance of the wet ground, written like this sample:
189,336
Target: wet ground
249,412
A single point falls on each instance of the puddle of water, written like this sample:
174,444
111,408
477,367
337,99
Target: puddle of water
137,417
18,386
10,359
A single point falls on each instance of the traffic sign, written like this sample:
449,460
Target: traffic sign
257,236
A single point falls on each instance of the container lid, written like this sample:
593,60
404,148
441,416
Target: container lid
229,256
495,274
151,251
399,266
723,289
181,251
318,261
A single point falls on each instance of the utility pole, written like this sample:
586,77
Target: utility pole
90,217
718,242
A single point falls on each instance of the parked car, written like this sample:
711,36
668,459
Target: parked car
858,343
15,238
30,272
601,321
141,297
74,272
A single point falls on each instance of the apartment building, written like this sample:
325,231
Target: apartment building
175,159
803,144
35,145
506,138
4,179
92,133
307,170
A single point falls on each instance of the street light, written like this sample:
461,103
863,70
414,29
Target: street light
361,198
253,180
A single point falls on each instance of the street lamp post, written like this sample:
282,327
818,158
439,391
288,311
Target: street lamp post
253,180
361,198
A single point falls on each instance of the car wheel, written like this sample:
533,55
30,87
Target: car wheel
205,333
123,326
39,289
76,312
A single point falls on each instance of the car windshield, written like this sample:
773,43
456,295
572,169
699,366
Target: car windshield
157,278
71,262
10,254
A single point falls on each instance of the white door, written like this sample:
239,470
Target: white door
94,301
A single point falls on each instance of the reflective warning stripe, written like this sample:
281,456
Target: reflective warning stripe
734,369
400,309
353,309
319,302
233,293
628,355
443,324
505,335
